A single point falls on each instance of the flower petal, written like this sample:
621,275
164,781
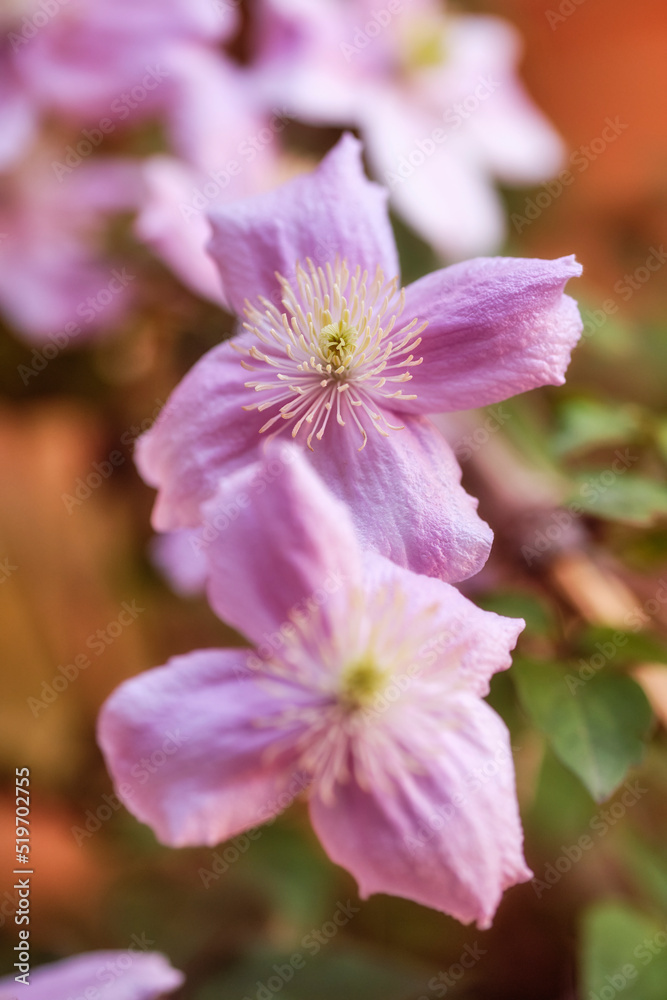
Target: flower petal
106,975
477,643
442,191
202,434
448,834
496,327
405,497
334,211
290,542
180,242
180,558
186,745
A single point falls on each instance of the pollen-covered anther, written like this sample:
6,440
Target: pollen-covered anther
337,346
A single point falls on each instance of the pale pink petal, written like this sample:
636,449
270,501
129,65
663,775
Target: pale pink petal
103,975
202,434
474,644
191,746
436,180
496,327
278,538
448,833
180,558
513,139
176,230
335,211
405,497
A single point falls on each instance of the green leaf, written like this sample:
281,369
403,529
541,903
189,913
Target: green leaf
331,973
622,952
597,728
588,423
621,497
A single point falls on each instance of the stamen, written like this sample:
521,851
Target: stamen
331,335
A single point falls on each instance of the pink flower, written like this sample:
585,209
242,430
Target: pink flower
54,278
106,975
366,688
353,383
436,97
124,61
177,197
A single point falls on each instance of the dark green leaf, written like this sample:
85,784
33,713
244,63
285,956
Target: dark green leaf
597,728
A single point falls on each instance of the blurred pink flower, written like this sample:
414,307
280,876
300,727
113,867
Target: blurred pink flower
56,279
106,975
122,61
326,355
366,688
177,197
436,96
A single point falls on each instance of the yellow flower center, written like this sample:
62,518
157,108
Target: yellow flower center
361,681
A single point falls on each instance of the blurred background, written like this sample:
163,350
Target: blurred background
120,124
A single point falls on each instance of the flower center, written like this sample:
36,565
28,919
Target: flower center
360,683
338,343
337,346
424,43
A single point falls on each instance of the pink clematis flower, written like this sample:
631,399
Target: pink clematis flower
435,95
366,689
56,280
336,354
123,61
106,975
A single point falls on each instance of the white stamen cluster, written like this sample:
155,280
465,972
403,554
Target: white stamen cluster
355,730
330,350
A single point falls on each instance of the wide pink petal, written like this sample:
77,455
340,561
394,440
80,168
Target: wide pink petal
462,639
335,211
180,241
276,539
190,748
201,435
104,975
404,492
441,188
448,833
496,327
